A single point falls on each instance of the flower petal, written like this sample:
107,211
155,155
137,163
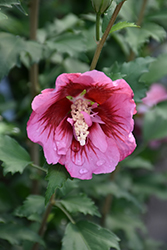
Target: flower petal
83,163
64,79
42,101
117,114
98,137
37,134
63,137
93,77
156,94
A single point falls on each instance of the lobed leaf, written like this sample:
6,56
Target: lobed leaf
56,177
157,70
137,37
79,203
14,234
34,204
128,223
85,235
68,43
133,71
156,119
11,47
14,157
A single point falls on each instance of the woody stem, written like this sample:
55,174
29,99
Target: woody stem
105,35
33,76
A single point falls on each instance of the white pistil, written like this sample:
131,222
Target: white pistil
80,126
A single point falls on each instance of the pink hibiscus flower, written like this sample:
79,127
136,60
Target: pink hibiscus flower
157,93
85,123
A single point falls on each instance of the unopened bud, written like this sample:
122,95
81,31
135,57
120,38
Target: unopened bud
100,6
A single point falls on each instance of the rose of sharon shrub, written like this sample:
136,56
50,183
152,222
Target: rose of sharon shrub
85,123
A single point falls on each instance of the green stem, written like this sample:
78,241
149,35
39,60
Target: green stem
65,212
38,167
98,26
105,35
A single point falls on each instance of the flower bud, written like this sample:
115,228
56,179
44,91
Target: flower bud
100,6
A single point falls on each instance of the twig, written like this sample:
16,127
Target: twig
141,14
44,221
108,200
105,35
139,22
33,75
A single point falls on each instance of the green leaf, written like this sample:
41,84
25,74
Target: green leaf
133,71
14,157
159,16
122,25
9,3
56,177
114,72
73,65
68,43
10,48
85,235
35,50
155,123
151,184
137,37
63,24
117,191
79,203
107,15
157,70
139,162
8,129
14,233
118,1
34,204
2,16
128,223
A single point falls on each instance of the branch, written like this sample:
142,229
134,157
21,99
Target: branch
105,35
44,220
139,22
33,75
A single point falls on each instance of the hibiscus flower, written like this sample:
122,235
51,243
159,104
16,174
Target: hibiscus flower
85,123
157,93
